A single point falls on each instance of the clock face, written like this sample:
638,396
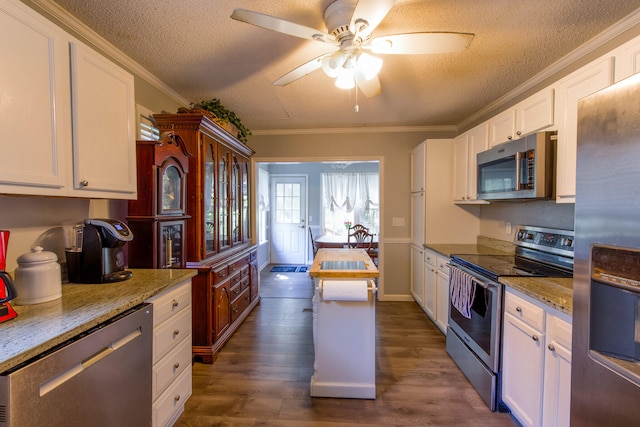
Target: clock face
171,190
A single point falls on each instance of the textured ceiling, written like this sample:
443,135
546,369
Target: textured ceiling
196,49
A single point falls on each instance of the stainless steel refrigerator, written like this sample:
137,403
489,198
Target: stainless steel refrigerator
605,373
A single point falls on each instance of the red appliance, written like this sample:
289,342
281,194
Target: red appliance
7,287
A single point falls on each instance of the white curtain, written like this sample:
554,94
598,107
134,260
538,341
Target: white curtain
352,197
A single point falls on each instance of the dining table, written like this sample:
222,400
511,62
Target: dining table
336,241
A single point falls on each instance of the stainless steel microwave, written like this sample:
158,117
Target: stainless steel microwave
519,170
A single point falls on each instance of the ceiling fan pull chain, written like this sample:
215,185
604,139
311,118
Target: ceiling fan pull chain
357,108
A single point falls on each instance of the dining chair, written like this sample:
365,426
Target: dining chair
314,246
360,239
357,227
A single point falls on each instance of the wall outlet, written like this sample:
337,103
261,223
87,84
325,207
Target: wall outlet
397,221
507,227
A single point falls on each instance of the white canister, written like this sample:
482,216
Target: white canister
38,277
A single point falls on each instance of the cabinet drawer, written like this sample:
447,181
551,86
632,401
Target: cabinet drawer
235,291
240,304
524,310
244,271
220,274
430,258
169,334
172,400
170,366
167,305
238,264
443,264
559,331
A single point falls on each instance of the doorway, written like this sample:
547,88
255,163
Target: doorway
288,219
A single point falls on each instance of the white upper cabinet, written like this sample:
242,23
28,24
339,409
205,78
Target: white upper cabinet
531,115
418,161
103,125
584,82
69,113
465,168
34,103
627,59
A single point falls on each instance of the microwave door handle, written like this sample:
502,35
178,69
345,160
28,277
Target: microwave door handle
518,170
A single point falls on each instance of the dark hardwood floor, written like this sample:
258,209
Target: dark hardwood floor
261,376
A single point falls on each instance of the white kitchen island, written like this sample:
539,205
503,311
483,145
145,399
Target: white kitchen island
344,332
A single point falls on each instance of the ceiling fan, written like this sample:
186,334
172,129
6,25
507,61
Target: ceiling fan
350,24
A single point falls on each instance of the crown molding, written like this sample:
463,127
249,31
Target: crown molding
592,45
360,130
73,23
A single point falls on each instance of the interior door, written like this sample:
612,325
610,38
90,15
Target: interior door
288,225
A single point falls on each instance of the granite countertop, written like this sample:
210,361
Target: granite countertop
40,327
326,254
552,291
448,249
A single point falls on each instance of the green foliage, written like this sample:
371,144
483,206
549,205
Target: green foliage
215,106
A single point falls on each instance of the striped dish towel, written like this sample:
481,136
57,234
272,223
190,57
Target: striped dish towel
462,288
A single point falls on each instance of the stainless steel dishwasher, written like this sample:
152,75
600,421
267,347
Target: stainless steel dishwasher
100,378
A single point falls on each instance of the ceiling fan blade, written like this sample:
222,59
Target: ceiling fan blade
370,87
280,25
421,43
300,72
372,11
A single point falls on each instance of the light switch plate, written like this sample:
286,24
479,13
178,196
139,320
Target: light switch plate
397,221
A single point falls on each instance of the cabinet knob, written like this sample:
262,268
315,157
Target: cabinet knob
175,304
510,137
535,338
518,133
84,183
176,365
519,309
551,347
176,332
176,398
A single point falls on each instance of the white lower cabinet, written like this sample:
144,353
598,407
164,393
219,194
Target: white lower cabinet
417,276
436,289
536,361
172,354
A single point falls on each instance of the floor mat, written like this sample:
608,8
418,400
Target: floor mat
303,269
283,269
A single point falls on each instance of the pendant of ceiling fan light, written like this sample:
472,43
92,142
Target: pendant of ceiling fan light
346,78
368,66
332,64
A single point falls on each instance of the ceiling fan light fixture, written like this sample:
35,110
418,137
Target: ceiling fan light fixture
332,64
346,79
368,66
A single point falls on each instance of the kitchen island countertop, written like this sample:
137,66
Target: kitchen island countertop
345,255
40,327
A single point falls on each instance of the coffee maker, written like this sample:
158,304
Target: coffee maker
7,287
96,255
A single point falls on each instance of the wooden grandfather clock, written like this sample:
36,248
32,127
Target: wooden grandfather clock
158,217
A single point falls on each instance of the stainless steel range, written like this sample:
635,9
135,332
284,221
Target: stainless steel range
475,308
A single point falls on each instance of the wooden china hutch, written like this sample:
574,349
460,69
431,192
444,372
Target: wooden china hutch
217,234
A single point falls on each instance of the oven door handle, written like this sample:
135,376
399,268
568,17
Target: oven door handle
482,283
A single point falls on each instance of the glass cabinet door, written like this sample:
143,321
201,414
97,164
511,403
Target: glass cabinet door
171,244
209,197
223,197
245,200
171,189
236,200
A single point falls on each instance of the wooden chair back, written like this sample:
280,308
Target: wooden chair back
360,239
314,246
